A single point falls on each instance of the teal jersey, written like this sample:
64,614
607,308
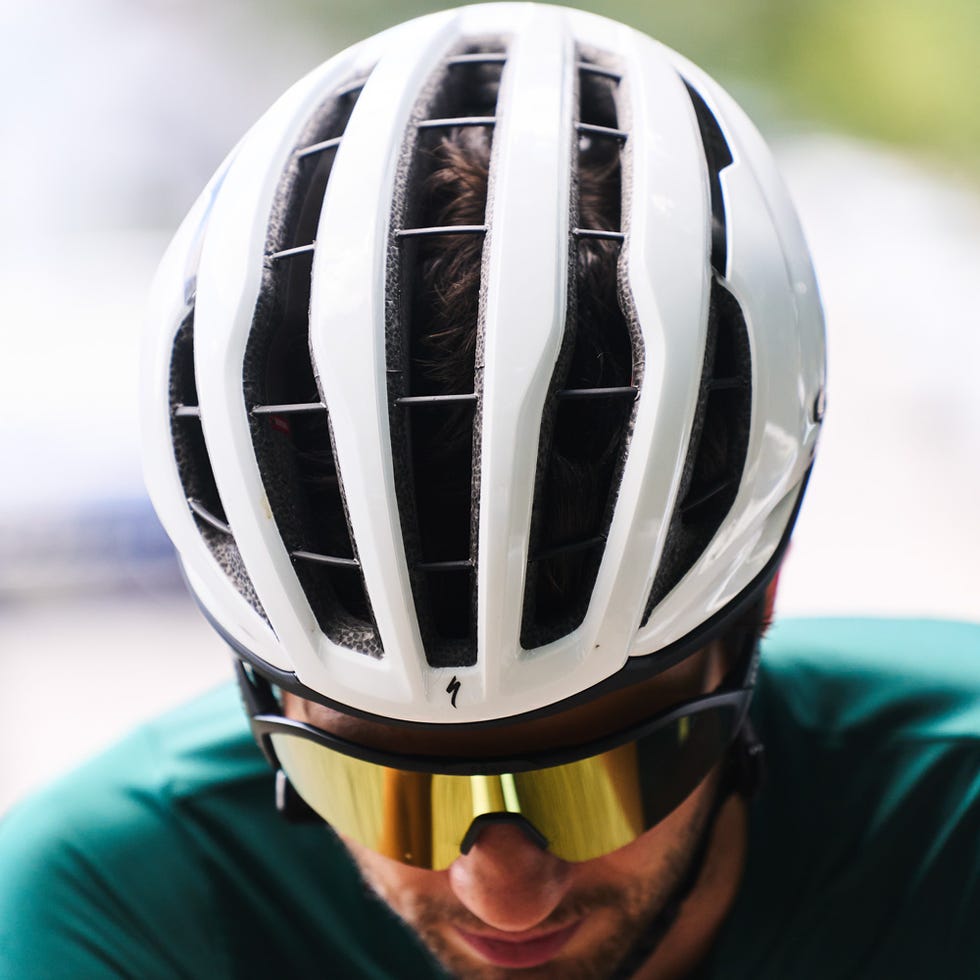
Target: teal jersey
165,858
864,851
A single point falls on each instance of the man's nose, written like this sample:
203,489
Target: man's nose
507,879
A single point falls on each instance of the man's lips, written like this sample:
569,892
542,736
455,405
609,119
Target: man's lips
515,951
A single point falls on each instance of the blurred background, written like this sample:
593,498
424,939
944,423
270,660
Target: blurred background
118,111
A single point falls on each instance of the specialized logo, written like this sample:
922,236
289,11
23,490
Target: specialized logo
453,689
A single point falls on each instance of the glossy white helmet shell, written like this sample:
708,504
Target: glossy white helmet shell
215,268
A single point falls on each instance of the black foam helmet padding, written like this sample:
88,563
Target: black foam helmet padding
294,449
720,432
584,439
435,445
194,463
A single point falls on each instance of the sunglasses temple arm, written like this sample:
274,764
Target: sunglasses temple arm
747,762
291,805
258,699
256,691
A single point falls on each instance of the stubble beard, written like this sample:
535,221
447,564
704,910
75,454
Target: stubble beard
633,909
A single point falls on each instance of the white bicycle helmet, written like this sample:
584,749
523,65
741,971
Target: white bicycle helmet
293,429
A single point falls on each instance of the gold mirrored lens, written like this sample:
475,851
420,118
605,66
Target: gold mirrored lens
584,809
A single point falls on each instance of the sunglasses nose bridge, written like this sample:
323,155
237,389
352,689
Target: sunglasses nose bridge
495,800
517,820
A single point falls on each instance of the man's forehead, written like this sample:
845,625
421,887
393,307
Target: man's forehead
581,724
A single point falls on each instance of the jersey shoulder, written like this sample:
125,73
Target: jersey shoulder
165,857
844,672
863,858
96,864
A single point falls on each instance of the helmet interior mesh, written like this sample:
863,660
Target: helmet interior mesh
436,441
194,463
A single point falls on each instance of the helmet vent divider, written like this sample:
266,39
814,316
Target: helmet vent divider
720,432
718,156
289,421
588,411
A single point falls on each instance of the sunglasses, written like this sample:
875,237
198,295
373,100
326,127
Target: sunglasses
580,802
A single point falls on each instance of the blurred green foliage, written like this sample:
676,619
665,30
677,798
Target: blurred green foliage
902,71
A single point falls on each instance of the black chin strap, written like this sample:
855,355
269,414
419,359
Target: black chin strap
744,773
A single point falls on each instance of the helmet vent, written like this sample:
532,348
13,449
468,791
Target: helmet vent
589,408
720,433
438,231
289,422
718,157
194,463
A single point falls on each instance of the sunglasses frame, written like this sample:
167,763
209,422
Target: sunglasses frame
266,719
